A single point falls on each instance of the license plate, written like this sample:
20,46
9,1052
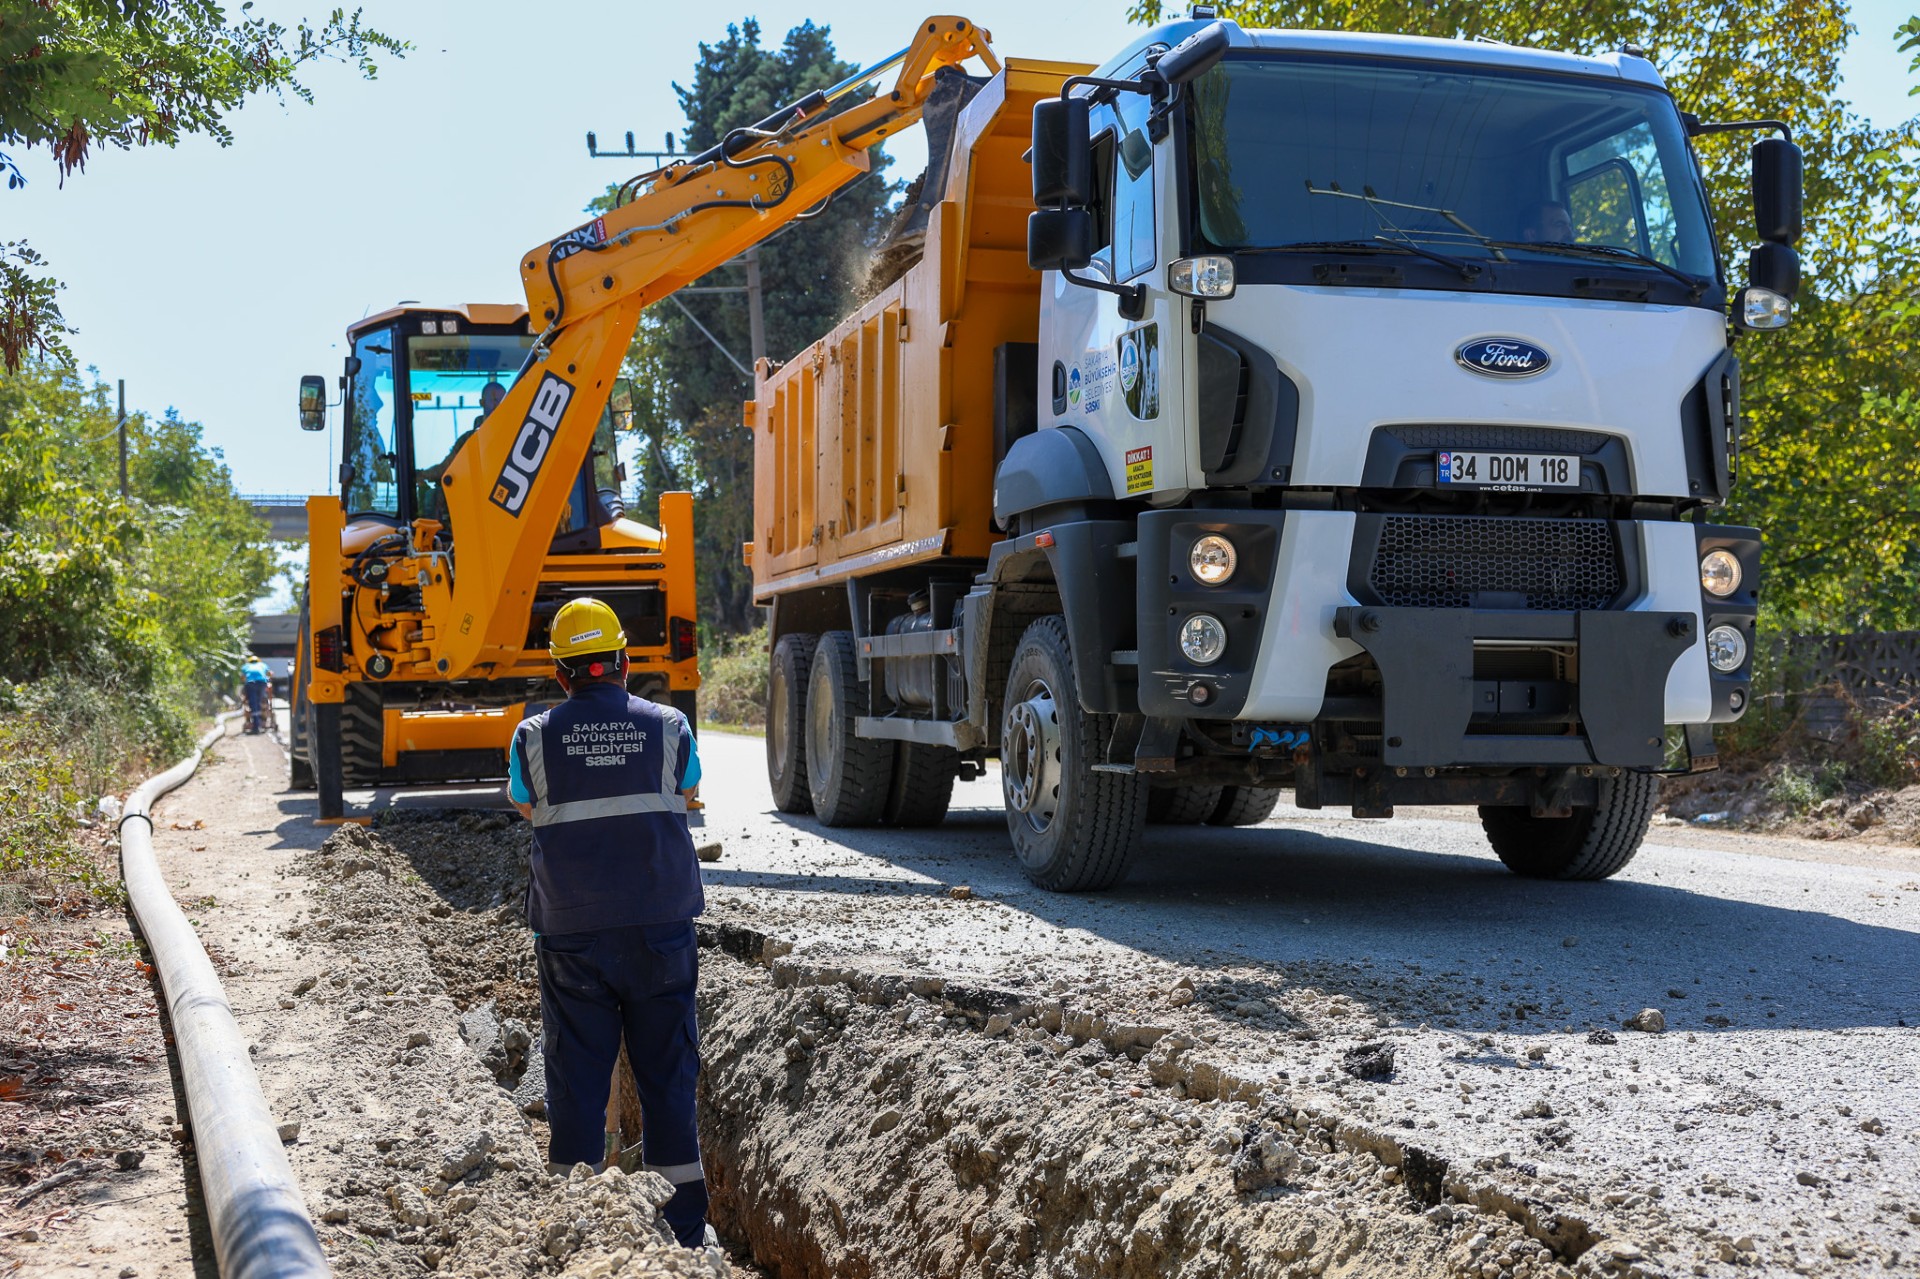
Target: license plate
1511,470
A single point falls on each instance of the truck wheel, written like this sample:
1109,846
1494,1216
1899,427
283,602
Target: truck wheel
923,778
848,777
1245,805
1594,843
1182,805
787,723
1074,829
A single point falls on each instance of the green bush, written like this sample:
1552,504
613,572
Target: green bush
38,798
1887,745
733,682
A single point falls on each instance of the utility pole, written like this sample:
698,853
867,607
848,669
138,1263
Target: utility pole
756,318
123,439
756,313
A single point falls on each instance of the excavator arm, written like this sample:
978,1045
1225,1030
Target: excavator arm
509,483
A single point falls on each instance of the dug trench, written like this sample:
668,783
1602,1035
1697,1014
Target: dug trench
861,1118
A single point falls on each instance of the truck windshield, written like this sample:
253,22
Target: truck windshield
453,382
1479,165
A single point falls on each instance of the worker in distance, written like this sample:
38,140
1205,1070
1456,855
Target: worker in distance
614,887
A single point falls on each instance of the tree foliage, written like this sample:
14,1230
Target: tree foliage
688,393
1831,468
145,595
80,74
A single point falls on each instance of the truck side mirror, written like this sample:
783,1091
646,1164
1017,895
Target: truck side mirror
1062,153
313,403
1776,190
1194,56
1059,239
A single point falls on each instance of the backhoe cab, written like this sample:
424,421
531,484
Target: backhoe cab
418,384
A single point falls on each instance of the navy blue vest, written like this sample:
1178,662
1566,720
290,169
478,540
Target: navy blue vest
610,841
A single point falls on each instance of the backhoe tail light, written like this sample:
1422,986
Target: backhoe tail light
1208,276
683,642
327,649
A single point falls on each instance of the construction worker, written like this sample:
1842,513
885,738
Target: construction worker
256,682
604,778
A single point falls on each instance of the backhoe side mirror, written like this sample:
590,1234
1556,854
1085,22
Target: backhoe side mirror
1059,239
1062,154
1194,56
313,403
1776,190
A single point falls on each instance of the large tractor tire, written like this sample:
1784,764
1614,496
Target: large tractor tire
923,778
1182,805
848,777
363,729
791,667
1594,843
1075,829
299,738
1245,805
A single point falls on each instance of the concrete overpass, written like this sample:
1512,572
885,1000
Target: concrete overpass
286,512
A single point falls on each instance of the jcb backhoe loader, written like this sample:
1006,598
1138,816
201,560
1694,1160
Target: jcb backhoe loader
467,514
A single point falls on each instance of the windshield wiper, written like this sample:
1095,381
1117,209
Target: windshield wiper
1694,284
1378,244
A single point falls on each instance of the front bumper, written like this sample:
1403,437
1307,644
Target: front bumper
1430,698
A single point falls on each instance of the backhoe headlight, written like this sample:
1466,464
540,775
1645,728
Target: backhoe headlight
1212,560
1726,649
1203,639
1719,573
1207,276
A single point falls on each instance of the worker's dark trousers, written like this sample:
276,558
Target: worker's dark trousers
637,981
256,702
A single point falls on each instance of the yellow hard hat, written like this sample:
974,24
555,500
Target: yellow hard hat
585,626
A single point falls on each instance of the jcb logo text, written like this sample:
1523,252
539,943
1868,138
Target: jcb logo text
530,446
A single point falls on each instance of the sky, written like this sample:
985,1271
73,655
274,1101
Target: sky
212,278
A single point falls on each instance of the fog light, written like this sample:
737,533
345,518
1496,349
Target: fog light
1763,309
1203,639
1726,649
1212,559
1210,276
1737,700
1719,573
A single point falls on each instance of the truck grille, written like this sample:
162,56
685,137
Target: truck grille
1487,435
1464,561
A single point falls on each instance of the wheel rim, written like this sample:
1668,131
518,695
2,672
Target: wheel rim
820,711
779,731
1030,757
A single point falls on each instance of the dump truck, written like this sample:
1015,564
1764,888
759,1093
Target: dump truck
419,381
478,482
1272,410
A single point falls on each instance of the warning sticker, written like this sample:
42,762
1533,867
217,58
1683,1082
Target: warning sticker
1140,470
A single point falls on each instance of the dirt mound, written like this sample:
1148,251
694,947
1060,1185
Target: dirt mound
1784,797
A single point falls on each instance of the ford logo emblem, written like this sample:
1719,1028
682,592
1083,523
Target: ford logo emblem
1503,357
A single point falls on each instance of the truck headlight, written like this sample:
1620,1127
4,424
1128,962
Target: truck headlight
1207,276
1719,573
1212,560
1203,639
1726,649
1762,309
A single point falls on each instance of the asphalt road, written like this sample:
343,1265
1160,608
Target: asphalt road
1779,1105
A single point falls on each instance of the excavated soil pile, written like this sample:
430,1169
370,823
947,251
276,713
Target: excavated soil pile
425,1159
859,1119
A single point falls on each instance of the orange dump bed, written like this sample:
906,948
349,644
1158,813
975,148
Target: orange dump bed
873,448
